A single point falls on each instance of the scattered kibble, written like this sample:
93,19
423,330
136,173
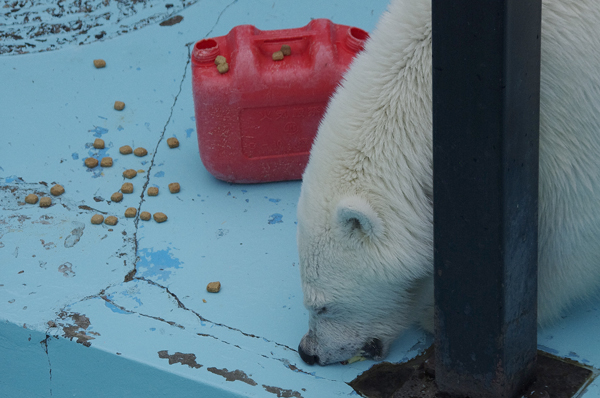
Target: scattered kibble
130,212
119,105
97,219
220,60
127,187
129,173
118,196
145,216
172,142
277,56
31,199
213,287
106,162
91,162
203,300
111,220
57,190
174,187
125,150
45,201
152,191
98,143
160,217
286,50
99,63
223,68
140,152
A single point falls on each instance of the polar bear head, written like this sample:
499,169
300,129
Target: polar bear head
359,294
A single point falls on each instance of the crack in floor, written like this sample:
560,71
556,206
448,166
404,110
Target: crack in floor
201,318
44,343
130,276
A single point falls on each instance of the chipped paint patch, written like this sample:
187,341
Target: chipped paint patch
66,269
114,308
75,235
156,264
78,330
275,218
280,392
233,375
180,357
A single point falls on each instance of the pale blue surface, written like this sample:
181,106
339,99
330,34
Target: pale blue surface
64,277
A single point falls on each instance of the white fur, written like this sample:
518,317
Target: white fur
365,211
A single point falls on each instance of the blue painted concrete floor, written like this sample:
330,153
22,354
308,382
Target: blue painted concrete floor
75,319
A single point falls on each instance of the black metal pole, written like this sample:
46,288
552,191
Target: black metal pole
486,65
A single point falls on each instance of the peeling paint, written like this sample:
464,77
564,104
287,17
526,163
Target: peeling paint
280,392
275,218
179,357
78,330
66,269
172,21
76,234
233,375
156,264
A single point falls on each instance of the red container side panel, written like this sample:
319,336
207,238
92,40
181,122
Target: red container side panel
256,122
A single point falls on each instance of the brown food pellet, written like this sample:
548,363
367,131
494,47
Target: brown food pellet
213,287
97,219
31,199
277,56
106,162
130,212
99,63
129,173
172,142
286,50
140,152
174,187
127,187
160,217
98,143
145,216
125,150
111,220
91,162
57,190
223,68
119,105
220,60
118,196
45,201
152,191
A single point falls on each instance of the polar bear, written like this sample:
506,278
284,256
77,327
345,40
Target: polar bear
365,210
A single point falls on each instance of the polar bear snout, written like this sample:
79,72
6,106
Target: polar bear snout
307,348
311,353
308,358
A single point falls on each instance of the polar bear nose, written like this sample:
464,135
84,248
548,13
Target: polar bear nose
309,359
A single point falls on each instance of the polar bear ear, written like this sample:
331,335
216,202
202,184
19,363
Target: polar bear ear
355,214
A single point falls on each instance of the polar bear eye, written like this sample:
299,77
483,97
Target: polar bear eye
321,311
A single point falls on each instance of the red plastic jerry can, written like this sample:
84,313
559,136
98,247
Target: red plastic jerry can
257,116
